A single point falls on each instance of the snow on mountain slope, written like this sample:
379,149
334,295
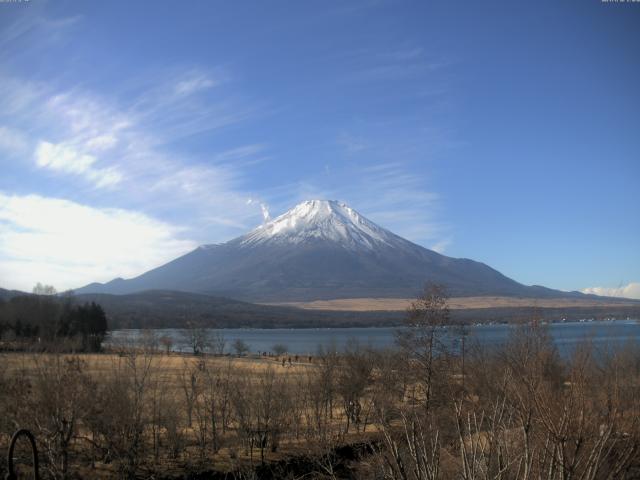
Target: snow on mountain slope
321,220
318,250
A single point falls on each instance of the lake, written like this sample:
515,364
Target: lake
307,341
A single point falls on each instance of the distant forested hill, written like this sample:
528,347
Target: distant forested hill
171,309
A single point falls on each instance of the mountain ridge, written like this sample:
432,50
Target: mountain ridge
320,250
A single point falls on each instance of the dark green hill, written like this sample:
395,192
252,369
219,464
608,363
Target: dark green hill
165,309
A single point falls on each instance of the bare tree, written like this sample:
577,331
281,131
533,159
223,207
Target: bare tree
261,411
421,340
149,341
353,378
57,402
119,414
172,424
190,385
40,289
197,338
215,398
240,346
218,343
280,349
167,342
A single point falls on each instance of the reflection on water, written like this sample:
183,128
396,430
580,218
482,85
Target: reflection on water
613,334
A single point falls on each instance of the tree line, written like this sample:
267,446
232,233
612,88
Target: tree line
45,318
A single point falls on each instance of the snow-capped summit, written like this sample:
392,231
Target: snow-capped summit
321,220
320,250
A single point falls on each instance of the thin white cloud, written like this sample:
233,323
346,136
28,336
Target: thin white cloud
33,21
351,143
13,141
129,147
266,216
441,246
410,62
20,100
102,142
401,200
248,154
129,141
62,157
406,54
194,83
88,116
69,244
389,194
631,290
264,209
66,159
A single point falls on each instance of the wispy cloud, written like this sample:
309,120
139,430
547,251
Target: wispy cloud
351,143
131,147
32,22
441,246
631,290
13,141
70,244
127,148
64,158
193,83
390,194
400,199
21,101
88,116
410,53
404,63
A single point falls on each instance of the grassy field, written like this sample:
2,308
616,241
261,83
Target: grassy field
171,365
179,398
145,414
456,303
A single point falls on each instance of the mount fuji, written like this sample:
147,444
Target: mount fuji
321,250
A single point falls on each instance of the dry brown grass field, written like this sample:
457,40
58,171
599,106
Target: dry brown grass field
455,303
172,365
184,384
421,411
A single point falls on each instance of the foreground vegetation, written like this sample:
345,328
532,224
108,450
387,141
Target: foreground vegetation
44,320
422,411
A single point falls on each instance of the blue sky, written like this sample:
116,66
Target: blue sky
506,132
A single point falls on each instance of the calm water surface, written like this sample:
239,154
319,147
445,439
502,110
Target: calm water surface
603,334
